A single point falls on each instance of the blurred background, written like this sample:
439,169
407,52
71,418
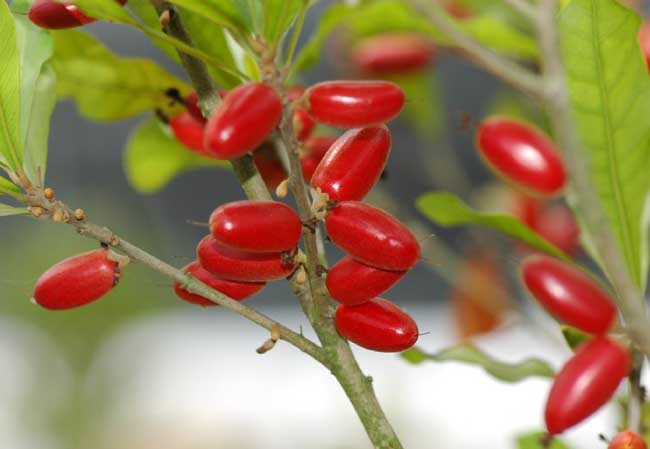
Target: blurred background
141,369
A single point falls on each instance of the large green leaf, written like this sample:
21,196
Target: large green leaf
105,86
153,158
538,440
6,211
9,188
447,210
610,95
11,148
221,13
145,11
37,91
470,354
382,16
278,17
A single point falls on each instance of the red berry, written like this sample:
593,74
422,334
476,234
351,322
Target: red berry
569,294
353,283
189,131
269,166
241,266
644,40
585,383
392,53
192,103
372,236
558,225
256,226
235,290
55,16
243,120
314,149
378,325
353,164
521,155
627,440
351,104
77,281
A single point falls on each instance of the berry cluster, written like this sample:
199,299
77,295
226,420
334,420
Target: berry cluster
527,159
58,15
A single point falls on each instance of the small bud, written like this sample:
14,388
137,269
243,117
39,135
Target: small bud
301,276
266,346
79,215
49,193
36,211
164,18
282,190
58,216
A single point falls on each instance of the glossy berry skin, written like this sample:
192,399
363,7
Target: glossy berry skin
256,226
569,294
587,381
378,325
77,281
269,166
314,149
241,266
192,103
392,53
353,164
372,236
243,120
189,131
53,15
235,290
352,104
627,440
644,41
353,283
522,155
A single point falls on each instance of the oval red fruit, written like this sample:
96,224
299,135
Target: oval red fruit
557,224
353,283
77,281
644,40
353,164
243,120
270,167
372,236
522,155
234,290
192,103
588,380
569,294
392,53
351,104
189,131
378,325
627,440
54,15
256,226
314,148
241,266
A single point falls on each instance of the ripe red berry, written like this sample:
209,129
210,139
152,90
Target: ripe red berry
243,120
269,166
353,164
392,53
55,16
303,125
314,148
351,104
458,11
256,226
192,103
77,281
569,294
372,236
378,325
241,266
644,40
353,283
522,155
189,131
585,383
627,440
235,290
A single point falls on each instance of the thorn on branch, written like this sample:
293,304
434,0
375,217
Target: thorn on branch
270,343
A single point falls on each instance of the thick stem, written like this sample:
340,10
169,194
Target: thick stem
636,396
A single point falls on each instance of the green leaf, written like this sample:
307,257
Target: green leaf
37,92
383,16
145,11
105,86
449,211
6,211
9,188
153,158
536,440
610,94
220,13
470,354
11,149
574,337
278,17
